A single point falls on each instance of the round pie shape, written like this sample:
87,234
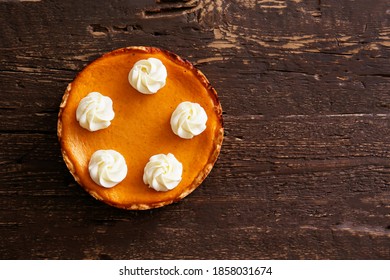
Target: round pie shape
141,127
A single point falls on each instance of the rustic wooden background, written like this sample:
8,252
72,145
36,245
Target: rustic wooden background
304,171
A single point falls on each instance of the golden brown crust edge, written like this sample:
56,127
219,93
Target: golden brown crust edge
202,174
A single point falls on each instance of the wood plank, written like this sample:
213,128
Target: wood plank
34,105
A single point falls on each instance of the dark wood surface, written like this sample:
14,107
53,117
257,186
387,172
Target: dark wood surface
304,171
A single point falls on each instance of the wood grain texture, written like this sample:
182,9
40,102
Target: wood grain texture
304,171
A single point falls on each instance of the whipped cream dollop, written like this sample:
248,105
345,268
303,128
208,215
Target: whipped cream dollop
95,111
148,75
163,172
188,120
107,168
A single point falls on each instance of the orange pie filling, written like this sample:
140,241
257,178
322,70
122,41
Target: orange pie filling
140,128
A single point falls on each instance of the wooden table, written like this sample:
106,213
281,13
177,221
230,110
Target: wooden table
304,171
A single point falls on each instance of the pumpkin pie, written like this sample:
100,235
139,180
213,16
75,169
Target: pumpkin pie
139,128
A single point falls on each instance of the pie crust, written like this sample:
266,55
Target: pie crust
141,127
